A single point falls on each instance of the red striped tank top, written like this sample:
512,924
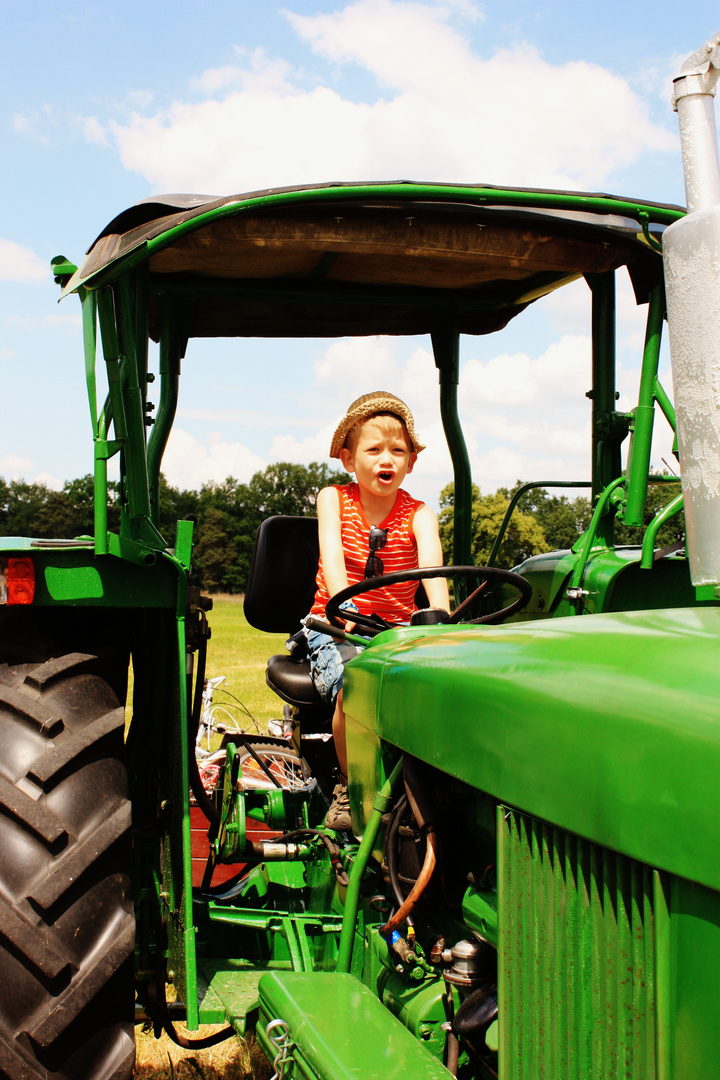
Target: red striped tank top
395,603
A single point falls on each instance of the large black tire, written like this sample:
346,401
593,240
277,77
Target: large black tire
66,918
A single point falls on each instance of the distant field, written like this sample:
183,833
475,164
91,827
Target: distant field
240,653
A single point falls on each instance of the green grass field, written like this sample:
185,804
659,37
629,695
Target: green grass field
240,653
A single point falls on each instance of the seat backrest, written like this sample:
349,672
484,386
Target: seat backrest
281,583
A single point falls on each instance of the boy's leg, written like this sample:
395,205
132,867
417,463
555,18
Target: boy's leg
327,661
338,815
338,730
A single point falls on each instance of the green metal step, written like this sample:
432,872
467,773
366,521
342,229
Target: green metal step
228,991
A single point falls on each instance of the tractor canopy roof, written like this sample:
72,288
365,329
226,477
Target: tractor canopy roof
378,258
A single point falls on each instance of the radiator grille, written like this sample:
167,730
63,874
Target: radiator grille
576,958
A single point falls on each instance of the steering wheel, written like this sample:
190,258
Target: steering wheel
485,574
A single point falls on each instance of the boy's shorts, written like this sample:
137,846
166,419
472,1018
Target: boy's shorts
328,658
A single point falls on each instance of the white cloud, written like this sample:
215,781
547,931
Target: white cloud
526,417
49,481
189,463
386,37
93,130
419,388
562,373
501,467
20,263
302,451
510,118
14,467
264,75
358,365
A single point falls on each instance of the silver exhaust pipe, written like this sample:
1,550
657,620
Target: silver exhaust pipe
691,256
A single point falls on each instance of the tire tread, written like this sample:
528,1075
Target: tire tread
20,806
45,720
55,760
66,924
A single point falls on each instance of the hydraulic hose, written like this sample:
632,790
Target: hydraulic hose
392,853
423,810
418,888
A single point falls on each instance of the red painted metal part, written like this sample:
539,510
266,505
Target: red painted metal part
200,847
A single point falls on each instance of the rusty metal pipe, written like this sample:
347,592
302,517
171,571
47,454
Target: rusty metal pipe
419,887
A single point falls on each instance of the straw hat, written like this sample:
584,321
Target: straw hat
380,401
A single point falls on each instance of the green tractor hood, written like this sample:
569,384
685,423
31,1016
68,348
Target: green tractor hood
624,707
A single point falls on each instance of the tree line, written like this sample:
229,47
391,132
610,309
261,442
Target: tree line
228,516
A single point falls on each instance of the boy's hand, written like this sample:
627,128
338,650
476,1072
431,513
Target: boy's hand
349,606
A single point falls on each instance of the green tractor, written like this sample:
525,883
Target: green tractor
532,884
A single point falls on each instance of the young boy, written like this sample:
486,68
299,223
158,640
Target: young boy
376,441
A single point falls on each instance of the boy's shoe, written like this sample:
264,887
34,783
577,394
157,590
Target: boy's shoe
338,816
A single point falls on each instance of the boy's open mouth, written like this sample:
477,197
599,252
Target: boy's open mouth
385,476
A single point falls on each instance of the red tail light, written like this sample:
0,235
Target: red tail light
20,581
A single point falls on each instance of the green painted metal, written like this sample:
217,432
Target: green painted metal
638,465
594,535
609,428
667,407
523,731
69,576
138,494
577,956
372,828
182,796
663,977
416,998
324,1013
228,991
480,913
654,527
694,985
446,349
172,349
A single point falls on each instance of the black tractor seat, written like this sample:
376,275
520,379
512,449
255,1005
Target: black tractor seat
290,680
280,592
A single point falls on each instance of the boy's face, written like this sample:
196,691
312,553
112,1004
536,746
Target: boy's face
380,460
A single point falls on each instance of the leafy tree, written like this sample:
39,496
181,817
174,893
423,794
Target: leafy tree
562,520
227,535
524,536
174,505
26,513
214,551
285,488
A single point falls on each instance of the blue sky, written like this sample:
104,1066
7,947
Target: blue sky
103,104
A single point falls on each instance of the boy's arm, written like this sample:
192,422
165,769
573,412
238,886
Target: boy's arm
330,537
427,537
